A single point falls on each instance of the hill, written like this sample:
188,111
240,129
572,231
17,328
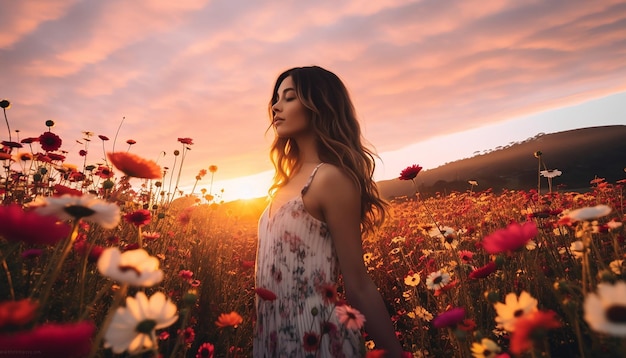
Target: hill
580,154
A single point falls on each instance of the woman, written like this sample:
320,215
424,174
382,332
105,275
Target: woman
322,199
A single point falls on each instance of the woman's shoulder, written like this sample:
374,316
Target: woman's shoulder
334,178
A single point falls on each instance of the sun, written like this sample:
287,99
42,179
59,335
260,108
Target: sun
248,187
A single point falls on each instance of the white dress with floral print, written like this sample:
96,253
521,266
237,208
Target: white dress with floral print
296,260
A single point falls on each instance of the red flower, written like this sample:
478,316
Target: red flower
131,142
55,156
467,325
229,319
29,140
30,227
6,143
376,353
189,334
138,218
484,271
410,173
530,326
104,172
50,141
51,340
103,137
206,350
135,166
449,318
329,293
187,141
311,341
82,152
514,237
265,294
17,313
62,189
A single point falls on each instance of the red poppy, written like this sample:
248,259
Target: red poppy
17,313
138,218
409,173
82,152
514,237
265,294
103,137
5,156
50,141
30,227
135,166
52,340
131,142
311,341
529,326
187,141
483,271
212,168
449,318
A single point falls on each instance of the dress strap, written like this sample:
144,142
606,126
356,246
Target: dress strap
308,183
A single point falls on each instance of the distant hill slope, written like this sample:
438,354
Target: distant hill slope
581,154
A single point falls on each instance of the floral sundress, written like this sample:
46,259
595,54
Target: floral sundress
296,261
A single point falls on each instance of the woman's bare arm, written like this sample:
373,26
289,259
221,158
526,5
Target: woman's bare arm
340,202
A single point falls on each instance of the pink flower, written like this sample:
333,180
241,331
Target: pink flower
138,218
350,317
514,237
185,274
449,318
30,227
51,340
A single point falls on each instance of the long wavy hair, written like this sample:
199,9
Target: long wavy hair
339,138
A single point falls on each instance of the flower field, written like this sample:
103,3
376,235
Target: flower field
106,259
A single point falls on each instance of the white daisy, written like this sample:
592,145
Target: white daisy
134,267
86,207
605,310
589,213
438,279
133,327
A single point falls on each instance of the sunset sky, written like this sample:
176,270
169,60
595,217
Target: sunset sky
433,81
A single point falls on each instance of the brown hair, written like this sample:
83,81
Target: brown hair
339,139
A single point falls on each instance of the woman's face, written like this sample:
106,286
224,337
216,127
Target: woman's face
291,118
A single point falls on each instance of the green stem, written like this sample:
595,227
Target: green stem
9,280
119,296
57,269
